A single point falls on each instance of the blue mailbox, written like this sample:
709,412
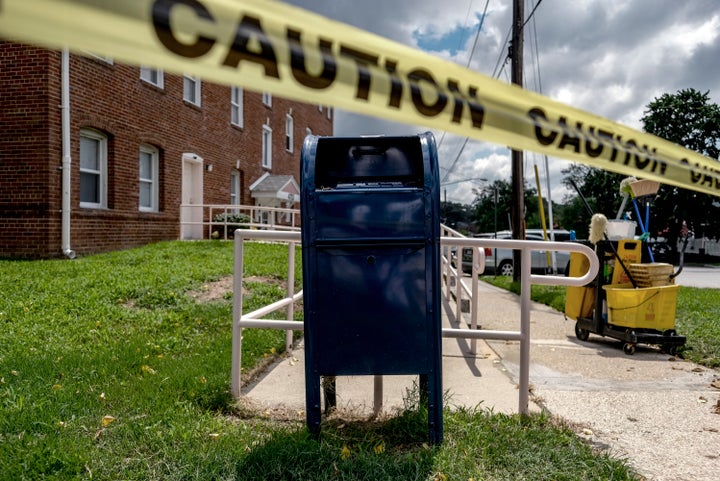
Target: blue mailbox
371,264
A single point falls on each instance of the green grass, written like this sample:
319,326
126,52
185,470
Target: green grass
696,317
109,370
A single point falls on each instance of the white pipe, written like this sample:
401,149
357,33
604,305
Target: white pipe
285,324
525,299
270,308
66,158
236,367
290,293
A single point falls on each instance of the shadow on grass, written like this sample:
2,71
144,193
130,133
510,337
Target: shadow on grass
394,448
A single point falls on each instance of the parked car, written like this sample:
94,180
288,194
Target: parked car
662,252
500,261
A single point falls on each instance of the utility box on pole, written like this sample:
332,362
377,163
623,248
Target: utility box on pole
371,264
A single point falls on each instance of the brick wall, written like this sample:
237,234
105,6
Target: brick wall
112,99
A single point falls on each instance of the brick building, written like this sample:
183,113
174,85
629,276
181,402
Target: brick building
140,143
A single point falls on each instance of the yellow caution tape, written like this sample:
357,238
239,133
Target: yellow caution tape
280,49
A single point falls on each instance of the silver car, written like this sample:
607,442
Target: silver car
500,261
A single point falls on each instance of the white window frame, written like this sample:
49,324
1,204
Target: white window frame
267,99
329,112
236,106
153,76
289,132
102,58
195,90
235,187
101,171
153,180
266,161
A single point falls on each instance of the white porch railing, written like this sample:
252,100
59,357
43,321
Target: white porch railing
449,240
198,220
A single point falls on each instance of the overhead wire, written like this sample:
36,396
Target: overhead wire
496,73
461,40
450,169
467,65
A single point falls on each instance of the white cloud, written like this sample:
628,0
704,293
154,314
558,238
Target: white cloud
609,57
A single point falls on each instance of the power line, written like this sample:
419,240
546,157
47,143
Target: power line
532,13
467,64
496,72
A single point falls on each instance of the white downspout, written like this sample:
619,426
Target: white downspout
66,159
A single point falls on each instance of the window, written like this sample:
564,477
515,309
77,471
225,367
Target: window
289,127
319,107
267,147
267,99
93,169
191,89
102,58
235,187
236,106
153,76
149,176
329,113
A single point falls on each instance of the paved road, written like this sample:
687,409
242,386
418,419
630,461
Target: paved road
692,276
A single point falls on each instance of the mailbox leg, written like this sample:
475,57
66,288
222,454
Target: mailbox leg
312,403
435,410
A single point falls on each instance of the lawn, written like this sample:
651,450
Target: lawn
117,366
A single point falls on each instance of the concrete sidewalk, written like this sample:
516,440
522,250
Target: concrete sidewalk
659,412
469,380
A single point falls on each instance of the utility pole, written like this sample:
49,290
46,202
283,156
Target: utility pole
517,210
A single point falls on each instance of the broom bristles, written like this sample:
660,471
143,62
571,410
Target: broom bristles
625,185
643,187
597,228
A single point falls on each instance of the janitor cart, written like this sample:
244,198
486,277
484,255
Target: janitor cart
629,301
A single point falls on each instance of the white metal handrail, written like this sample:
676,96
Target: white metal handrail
259,217
241,320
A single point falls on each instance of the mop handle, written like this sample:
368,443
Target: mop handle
642,227
612,246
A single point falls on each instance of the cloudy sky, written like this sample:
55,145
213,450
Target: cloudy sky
609,57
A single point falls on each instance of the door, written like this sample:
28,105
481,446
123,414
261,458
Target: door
191,210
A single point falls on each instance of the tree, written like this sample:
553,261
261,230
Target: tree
457,216
687,118
486,208
600,188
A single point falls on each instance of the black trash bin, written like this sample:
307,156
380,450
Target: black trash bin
371,266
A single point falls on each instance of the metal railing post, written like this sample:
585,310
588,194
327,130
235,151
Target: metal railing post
473,299
525,290
290,293
236,370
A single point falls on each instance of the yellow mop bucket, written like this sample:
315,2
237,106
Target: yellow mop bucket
642,308
579,301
